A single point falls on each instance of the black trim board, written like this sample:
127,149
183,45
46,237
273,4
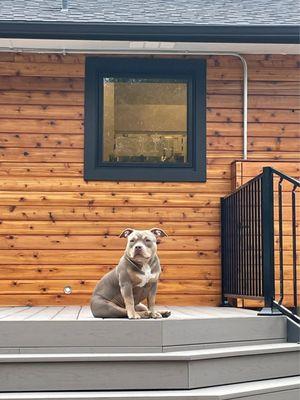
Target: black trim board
284,34
194,71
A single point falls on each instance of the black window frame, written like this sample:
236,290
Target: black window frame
191,70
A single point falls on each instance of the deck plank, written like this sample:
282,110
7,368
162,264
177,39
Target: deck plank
207,312
85,313
25,314
10,311
181,313
47,314
222,312
67,313
174,313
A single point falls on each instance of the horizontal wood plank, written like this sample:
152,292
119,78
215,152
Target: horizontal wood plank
253,60
94,242
64,169
63,213
81,287
87,286
214,115
276,87
67,70
103,228
283,102
83,271
46,299
19,131
173,257
126,199
47,184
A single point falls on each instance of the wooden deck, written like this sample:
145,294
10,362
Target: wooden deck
73,313
67,349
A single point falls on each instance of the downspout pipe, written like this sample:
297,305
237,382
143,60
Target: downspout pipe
171,52
245,90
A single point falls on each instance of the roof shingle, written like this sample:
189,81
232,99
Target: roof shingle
179,12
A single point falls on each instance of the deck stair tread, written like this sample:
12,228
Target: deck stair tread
169,370
225,392
166,356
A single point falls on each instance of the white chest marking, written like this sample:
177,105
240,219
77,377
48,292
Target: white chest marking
148,275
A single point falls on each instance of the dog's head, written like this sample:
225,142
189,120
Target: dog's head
141,245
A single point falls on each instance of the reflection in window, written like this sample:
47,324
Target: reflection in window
145,120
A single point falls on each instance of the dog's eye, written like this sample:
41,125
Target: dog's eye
148,240
132,241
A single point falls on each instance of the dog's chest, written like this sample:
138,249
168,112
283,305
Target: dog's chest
147,276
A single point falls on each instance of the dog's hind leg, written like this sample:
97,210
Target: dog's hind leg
141,307
106,309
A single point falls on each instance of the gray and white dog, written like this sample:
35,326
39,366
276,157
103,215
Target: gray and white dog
120,292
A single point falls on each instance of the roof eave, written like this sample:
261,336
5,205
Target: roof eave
288,34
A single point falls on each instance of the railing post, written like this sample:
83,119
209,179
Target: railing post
223,267
267,217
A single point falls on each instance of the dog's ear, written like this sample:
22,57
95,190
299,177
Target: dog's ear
126,233
158,232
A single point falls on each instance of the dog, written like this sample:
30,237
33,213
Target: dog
120,292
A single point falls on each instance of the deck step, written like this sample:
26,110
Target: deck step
116,336
272,389
147,371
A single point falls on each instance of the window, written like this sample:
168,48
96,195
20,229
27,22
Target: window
145,119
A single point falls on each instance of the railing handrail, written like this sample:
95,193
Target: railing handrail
275,171
294,181
243,185
287,312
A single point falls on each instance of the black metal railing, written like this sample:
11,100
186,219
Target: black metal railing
249,229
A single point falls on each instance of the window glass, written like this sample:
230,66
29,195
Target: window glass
144,120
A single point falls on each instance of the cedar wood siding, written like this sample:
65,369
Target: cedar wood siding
57,230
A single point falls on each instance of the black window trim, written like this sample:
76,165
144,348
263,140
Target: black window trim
192,70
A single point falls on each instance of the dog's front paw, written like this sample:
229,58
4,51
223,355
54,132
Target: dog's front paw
133,315
165,314
155,315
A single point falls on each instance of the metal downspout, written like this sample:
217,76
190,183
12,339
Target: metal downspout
245,89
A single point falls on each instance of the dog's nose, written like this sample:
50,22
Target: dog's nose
138,247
